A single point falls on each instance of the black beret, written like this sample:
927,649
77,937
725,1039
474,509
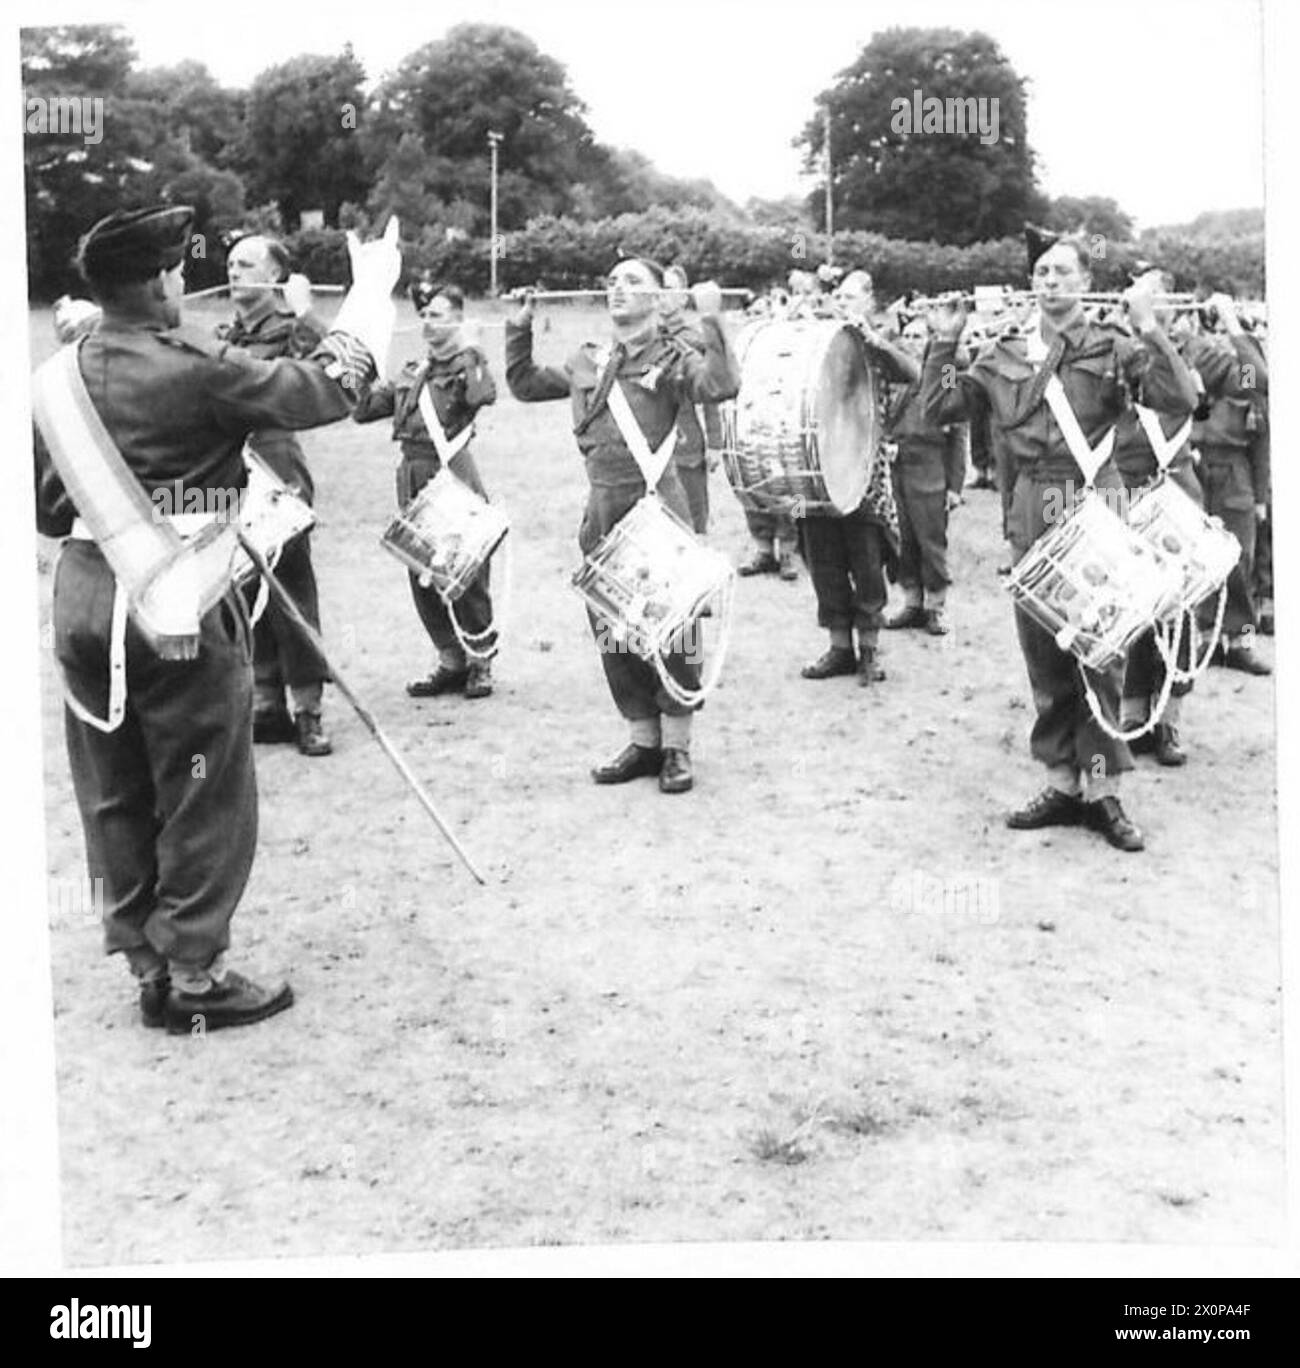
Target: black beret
137,244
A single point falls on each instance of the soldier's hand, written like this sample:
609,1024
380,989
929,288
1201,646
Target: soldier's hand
954,500
947,319
1261,512
1225,310
707,296
1140,302
297,293
377,264
74,318
523,317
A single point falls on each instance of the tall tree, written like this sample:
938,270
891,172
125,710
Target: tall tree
301,148
483,78
209,115
72,175
942,184
1094,214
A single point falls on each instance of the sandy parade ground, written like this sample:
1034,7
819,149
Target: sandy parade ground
747,1013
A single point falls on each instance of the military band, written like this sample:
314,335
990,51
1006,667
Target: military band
1062,402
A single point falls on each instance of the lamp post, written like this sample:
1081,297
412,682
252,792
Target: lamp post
830,206
494,141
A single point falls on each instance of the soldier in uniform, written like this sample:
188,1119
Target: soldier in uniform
270,323
655,374
166,787
847,554
1234,471
454,373
929,474
1216,366
1009,378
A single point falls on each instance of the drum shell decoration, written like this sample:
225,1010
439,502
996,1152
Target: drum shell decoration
270,516
1178,529
804,431
649,578
1093,583
446,534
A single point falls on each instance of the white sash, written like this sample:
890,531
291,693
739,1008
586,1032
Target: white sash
445,447
1165,448
114,511
652,463
1089,459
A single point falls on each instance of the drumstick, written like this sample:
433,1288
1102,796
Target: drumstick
281,596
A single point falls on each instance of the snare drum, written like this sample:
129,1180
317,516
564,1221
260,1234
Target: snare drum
1204,552
446,534
802,434
649,578
271,515
1093,583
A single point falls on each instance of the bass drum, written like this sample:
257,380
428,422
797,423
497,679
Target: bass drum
804,432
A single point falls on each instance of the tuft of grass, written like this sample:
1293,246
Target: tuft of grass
864,1123
771,1148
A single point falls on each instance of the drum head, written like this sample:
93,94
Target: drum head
844,407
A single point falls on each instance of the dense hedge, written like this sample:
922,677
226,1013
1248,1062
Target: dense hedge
561,253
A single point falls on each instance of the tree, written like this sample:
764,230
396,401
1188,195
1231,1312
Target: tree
1091,214
483,78
83,58
967,180
628,182
72,179
209,115
300,147
789,213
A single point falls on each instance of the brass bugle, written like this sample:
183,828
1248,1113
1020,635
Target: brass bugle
1015,298
259,285
522,291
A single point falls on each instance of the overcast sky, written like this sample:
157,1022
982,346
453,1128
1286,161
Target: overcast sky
1158,105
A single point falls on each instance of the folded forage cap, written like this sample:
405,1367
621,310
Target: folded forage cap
423,292
136,244
1038,241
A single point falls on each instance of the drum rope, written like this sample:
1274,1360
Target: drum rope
725,599
472,643
1194,672
1157,712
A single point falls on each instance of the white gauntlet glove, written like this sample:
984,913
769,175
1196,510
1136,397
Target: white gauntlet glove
74,318
368,311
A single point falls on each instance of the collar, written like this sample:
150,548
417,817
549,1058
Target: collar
1036,335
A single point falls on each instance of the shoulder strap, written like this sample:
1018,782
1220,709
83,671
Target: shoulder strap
1090,459
445,446
107,495
1165,448
652,463
169,585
